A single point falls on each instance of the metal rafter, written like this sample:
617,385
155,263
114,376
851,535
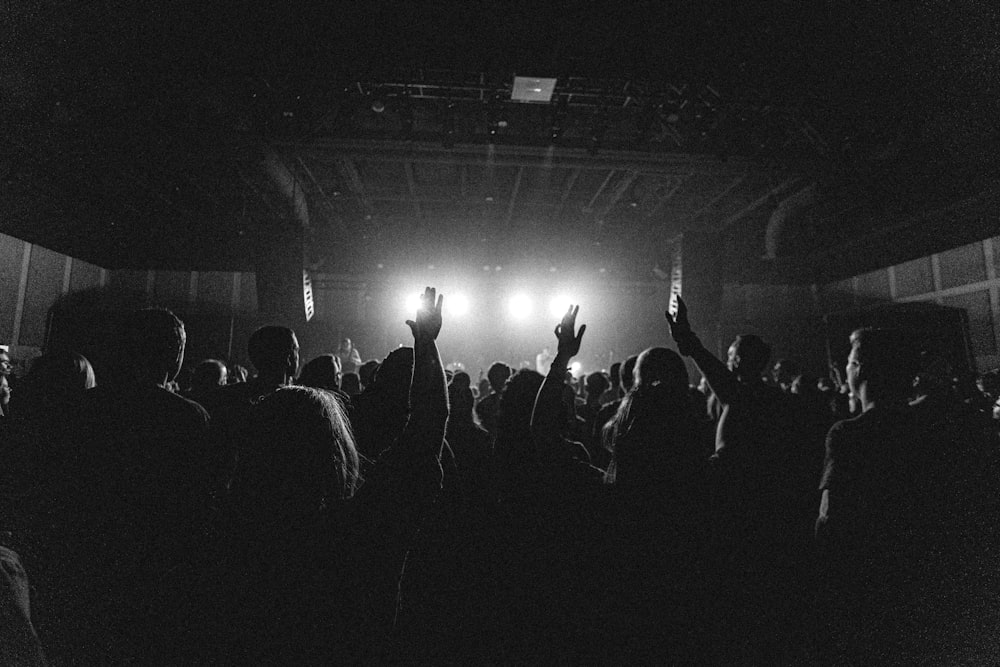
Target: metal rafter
513,196
604,184
412,187
567,189
349,172
781,189
620,189
338,221
678,182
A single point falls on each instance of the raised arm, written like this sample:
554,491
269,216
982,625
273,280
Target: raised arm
424,432
548,415
720,379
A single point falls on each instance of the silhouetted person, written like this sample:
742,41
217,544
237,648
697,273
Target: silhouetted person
350,357
469,442
208,376
6,368
54,387
488,406
19,643
323,372
350,384
763,486
366,374
137,497
906,492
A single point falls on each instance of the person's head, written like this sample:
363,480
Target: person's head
367,373
517,403
880,366
309,450
663,367
785,372
628,372
350,384
392,380
345,346
748,355
498,375
460,399
615,373
596,384
153,344
236,374
274,351
62,372
323,372
6,368
208,375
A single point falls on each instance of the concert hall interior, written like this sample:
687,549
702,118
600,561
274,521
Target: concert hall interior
790,172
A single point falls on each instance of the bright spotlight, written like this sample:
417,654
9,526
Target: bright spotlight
520,306
576,368
456,304
559,305
413,302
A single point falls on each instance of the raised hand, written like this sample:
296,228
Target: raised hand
680,328
428,320
569,343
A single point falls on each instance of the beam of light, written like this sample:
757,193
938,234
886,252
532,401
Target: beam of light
520,306
560,304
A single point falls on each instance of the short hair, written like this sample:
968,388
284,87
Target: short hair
367,372
323,372
888,358
394,374
597,383
208,373
270,346
61,372
498,374
753,353
154,338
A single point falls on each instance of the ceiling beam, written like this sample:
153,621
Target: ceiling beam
338,222
620,189
527,156
567,189
349,172
778,191
411,185
590,205
513,196
677,183
735,183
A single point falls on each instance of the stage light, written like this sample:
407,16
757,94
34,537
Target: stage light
559,305
576,369
412,302
520,306
457,305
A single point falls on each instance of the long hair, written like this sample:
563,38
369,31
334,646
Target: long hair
306,456
655,416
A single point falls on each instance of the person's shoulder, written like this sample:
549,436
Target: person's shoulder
185,407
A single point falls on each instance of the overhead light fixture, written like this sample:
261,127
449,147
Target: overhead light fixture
532,89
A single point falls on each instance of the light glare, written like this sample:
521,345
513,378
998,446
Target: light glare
456,304
520,306
559,305
413,302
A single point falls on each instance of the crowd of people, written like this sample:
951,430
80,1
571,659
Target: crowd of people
401,513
